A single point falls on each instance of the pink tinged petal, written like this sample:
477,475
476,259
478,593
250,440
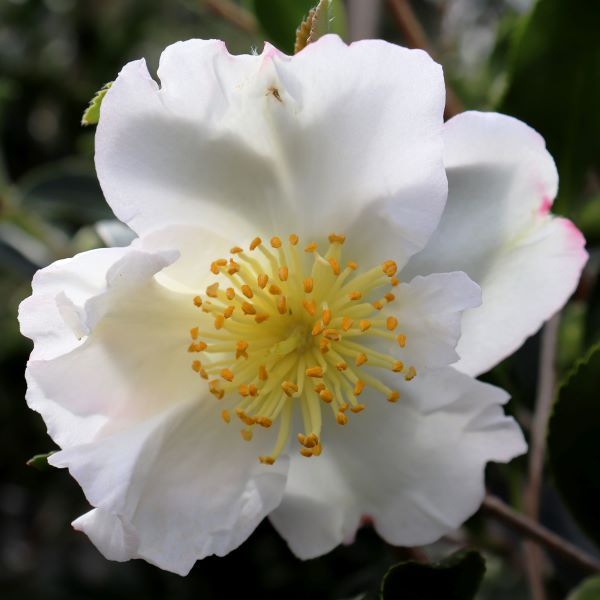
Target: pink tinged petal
416,467
325,140
497,229
175,488
429,312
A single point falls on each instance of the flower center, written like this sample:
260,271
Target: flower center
290,331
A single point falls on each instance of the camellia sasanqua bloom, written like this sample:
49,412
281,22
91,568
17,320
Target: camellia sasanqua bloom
321,267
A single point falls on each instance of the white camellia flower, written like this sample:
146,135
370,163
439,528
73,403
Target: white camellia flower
283,337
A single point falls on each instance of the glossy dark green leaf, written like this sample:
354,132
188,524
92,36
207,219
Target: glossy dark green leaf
554,85
279,19
457,577
40,461
588,590
573,446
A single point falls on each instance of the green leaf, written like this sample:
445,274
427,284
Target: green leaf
588,590
91,115
573,448
280,19
457,577
40,461
554,86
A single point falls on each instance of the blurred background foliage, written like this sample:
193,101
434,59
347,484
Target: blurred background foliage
539,61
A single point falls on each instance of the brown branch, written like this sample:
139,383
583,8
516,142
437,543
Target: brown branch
415,37
499,509
539,427
234,13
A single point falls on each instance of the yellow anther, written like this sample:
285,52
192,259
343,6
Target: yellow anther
240,348
262,280
336,238
357,408
344,406
233,267
289,387
246,434
266,460
264,422
310,247
389,268
355,295
281,305
219,320
230,293
214,268
326,316
319,386
203,374
391,323
378,304
262,373
283,273
261,317
225,415
331,334
293,239
341,418
364,324
394,281
247,291
352,265
197,346
301,438
361,359
243,390
307,452
401,339
248,309
341,366
410,374
346,323
197,301
310,306
389,296
212,290
398,366
194,333
227,374
253,390
323,345
236,250
275,290
308,285
275,242
255,243
393,396
335,266
359,386
326,395
311,440
314,371
196,366
228,311
317,328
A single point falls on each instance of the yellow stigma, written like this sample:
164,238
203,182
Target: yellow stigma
304,343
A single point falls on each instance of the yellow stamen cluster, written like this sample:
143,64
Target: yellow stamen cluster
281,334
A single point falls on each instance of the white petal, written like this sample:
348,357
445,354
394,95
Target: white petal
122,332
415,467
497,229
175,488
429,312
323,141
114,233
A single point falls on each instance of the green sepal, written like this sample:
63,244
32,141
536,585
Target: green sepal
40,461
